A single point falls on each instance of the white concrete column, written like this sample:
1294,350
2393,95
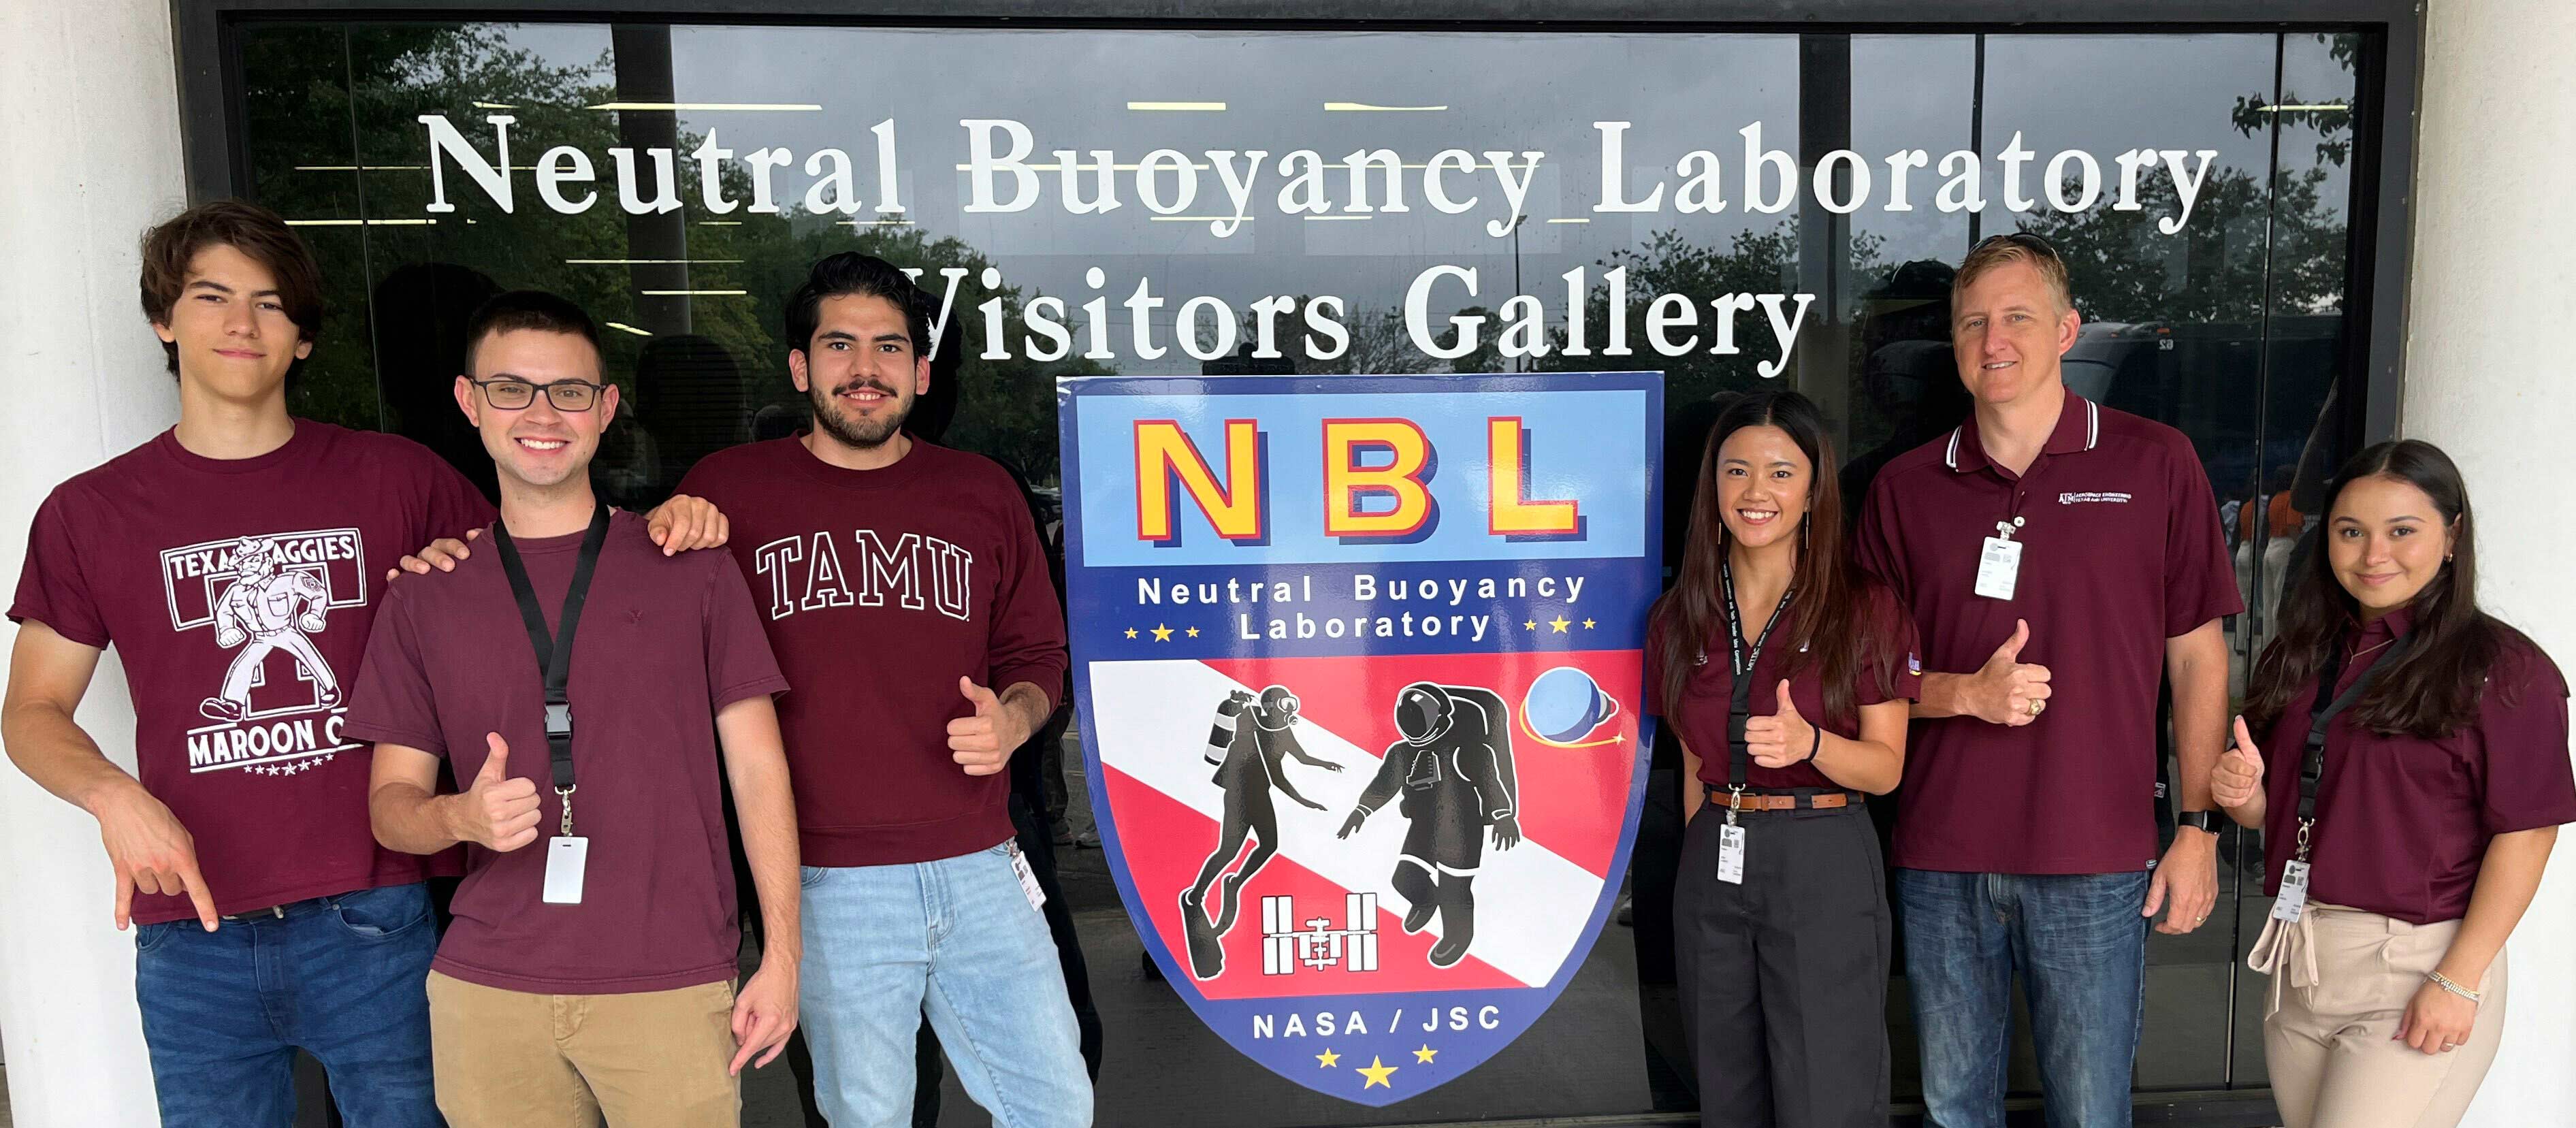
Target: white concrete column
89,117
2488,378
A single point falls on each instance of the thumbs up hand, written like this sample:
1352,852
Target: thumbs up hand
983,743
498,812
2238,778
2007,690
1781,739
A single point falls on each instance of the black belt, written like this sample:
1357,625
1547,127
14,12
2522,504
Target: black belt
272,912
1785,799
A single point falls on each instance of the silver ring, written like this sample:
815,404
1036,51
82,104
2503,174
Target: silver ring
2449,1046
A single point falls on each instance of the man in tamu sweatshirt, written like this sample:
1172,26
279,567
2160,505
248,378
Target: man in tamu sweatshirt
906,595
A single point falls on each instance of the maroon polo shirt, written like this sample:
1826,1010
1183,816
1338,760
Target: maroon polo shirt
1700,716
664,644
2403,822
2121,550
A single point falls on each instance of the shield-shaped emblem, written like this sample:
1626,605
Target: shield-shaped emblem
1359,668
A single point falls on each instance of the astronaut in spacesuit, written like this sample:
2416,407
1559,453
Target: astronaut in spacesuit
268,609
1453,770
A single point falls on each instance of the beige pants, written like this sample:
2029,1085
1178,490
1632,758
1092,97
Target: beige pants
2341,979
510,1059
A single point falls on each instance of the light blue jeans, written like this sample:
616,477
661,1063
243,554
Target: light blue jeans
957,940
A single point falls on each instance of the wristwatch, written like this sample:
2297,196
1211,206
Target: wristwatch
2205,820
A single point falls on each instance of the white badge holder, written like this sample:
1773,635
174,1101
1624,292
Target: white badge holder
2293,901
1028,877
1999,566
566,858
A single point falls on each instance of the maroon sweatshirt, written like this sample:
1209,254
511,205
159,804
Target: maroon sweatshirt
880,588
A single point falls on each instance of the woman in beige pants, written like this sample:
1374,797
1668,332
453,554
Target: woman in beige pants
2418,773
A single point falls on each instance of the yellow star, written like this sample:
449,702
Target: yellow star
1131,632
1377,1073
1423,1055
1529,626
1331,1059
1162,633
1587,624
1559,622
1194,632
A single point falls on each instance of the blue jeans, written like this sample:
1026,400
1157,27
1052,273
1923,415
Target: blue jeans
954,939
343,978
2080,945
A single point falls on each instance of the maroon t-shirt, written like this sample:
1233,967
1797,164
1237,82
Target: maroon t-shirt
2122,550
2403,822
238,593
881,588
664,644
1700,717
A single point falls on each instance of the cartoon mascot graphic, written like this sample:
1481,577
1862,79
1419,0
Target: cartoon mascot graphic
268,609
1454,771
1250,745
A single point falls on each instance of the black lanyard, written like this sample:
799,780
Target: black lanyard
1738,755
554,654
2321,713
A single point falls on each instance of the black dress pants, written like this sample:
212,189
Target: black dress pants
1784,976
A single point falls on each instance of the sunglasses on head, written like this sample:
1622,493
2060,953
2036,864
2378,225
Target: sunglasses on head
2022,239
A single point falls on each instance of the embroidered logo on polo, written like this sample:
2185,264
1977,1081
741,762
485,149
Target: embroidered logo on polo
2091,496
267,598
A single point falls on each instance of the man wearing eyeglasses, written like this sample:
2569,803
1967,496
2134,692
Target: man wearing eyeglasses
581,684
2061,559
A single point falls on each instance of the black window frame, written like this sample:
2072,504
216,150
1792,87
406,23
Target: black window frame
206,36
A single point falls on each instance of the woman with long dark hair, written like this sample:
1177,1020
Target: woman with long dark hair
1785,671
2411,779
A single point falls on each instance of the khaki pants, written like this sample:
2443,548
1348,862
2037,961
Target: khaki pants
510,1059
2341,979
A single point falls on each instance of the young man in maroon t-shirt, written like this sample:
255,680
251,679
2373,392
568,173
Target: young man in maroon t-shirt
2046,529
905,589
590,967
235,562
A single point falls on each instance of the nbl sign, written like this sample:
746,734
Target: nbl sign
1358,660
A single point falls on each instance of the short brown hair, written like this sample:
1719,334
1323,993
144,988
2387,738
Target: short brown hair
529,309
246,227
2016,246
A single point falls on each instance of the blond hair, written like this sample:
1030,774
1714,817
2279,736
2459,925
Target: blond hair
2017,246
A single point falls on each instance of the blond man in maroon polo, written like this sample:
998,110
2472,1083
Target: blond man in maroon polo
2061,560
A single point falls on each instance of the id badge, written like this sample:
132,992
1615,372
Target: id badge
1999,568
1028,877
565,860
1730,854
2293,900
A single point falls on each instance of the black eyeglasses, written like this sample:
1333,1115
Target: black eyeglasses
2022,239
566,395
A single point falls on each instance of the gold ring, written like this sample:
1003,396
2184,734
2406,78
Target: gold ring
2037,706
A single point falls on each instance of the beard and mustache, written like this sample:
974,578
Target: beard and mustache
860,433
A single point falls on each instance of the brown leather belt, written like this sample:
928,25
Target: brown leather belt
1785,801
